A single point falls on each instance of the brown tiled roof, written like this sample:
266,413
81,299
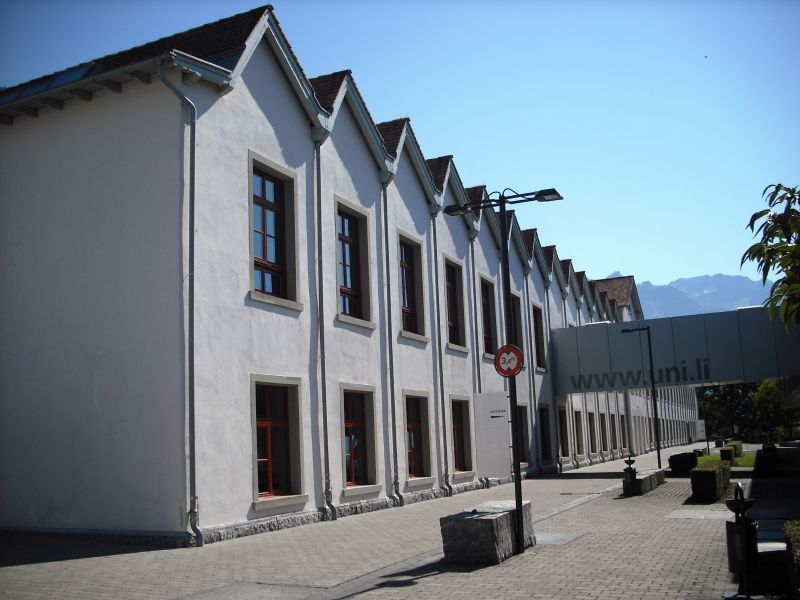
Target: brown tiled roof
549,253
390,132
582,279
326,88
565,265
618,289
475,195
438,168
220,42
529,236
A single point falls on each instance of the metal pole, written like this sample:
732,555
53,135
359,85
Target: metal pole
512,383
653,393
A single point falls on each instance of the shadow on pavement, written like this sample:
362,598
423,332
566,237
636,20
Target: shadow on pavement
30,549
585,475
409,577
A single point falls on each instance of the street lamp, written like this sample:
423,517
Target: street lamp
547,195
646,328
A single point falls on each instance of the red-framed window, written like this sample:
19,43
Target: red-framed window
408,292
349,264
453,297
487,312
461,460
269,235
415,438
272,440
355,439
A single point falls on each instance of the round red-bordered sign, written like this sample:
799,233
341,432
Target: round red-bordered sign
508,360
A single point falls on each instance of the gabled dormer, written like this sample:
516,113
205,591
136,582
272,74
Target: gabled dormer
333,91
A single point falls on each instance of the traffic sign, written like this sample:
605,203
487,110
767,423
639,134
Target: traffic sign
508,360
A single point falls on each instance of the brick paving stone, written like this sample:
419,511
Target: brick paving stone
622,547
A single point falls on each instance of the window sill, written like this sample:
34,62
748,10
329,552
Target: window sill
360,490
488,356
275,301
457,348
541,370
414,336
417,482
355,321
463,475
279,502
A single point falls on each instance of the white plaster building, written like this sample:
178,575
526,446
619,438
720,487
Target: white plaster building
232,302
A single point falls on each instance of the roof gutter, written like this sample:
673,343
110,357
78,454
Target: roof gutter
194,510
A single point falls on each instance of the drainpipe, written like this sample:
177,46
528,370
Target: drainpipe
397,496
448,488
476,347
321,328
194,504
534,416
547,283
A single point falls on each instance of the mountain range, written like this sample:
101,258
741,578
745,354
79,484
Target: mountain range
702,294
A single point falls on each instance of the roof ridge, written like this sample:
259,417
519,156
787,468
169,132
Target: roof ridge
156,42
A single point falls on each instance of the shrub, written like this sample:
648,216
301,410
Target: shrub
727,453
792,531
737,447
681,464
710,480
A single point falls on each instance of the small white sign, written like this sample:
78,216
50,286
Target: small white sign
492,435
701,430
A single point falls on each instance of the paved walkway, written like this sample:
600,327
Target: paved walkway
592,544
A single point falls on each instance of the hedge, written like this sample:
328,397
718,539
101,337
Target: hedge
681,464
737,447
727,453
792,531
710,480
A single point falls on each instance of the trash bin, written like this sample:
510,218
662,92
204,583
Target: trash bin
742,537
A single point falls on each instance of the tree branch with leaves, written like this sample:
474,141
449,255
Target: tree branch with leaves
778,251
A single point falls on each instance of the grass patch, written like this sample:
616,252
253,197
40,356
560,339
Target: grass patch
748,459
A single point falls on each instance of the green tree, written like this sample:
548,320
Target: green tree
779,250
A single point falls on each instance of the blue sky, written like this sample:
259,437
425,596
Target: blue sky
659,122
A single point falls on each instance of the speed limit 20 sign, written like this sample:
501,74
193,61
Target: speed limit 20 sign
508,360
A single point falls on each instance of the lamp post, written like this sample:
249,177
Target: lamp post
547,195
646,329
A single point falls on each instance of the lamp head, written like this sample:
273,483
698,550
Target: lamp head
548,195
455,209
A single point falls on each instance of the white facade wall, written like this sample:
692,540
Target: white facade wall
92,364
238,335
94,207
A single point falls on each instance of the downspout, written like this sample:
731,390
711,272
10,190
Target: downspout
475,311
194,505
397,495
321,331
446,480
533,417
547,283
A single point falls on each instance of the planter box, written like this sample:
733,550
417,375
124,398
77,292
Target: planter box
681,464
710,481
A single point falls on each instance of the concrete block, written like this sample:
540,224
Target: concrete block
646,481
484,534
